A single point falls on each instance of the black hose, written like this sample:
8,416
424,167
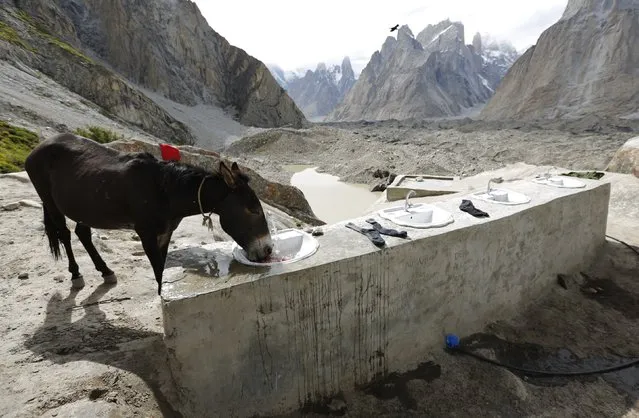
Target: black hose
546,373
624,243
453,346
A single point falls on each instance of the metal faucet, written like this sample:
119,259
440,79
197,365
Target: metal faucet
407,204
494,180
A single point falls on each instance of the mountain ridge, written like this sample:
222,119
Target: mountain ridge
587,63
434,74
318,91
169,49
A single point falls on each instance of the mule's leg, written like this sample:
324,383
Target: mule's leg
84,235
164,240
57,217
163,243
149,239
54,221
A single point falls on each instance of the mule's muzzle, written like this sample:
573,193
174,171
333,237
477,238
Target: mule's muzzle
260,248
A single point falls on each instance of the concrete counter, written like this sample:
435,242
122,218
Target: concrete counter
267,340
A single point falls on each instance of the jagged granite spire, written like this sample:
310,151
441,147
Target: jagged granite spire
319,91
477,43
435,75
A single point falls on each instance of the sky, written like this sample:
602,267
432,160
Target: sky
299,34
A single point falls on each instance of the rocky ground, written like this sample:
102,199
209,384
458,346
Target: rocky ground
99,352
354,151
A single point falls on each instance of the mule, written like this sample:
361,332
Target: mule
99,187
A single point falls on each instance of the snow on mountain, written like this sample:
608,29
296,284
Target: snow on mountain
317,92
433,74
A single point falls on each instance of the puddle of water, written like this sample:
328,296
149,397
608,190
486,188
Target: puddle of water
332,200
206,263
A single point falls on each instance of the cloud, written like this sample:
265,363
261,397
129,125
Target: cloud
293,34
527,33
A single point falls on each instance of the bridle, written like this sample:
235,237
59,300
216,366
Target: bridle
206,219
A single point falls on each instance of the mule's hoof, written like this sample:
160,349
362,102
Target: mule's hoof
110,279
77,282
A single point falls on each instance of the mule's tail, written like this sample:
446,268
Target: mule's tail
52,233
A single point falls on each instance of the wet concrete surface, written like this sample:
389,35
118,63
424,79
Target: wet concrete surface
205,262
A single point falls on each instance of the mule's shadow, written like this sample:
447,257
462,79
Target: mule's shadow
94,338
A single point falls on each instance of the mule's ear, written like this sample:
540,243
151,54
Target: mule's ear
239,174
227,174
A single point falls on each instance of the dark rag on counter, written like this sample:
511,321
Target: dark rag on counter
387,231
369,233
468,207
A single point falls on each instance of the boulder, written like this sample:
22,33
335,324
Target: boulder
626,159
288,199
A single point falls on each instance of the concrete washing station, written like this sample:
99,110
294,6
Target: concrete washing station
263,340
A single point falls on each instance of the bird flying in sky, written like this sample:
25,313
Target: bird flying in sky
394,28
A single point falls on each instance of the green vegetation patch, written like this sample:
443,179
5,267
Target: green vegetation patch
66,47
24,16
15,145
98,134
12,36
9,34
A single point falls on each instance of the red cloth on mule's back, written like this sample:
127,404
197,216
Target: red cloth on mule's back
169,152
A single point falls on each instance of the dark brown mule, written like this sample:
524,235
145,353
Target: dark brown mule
99,187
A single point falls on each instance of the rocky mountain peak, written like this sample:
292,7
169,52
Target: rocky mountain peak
598,8
170,49
477,43
388,46
347,69
431,31
584,64
318,92
404,34
445,35
433,75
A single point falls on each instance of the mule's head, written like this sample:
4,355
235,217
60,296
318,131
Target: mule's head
241,214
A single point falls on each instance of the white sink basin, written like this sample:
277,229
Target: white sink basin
560,181
503,196
418,215
290,245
